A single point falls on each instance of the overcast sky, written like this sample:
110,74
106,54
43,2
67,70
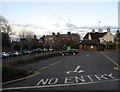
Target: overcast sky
61,15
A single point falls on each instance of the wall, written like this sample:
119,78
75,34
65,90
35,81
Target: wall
88,47
108,37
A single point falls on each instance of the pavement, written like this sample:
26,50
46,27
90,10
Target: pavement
88,70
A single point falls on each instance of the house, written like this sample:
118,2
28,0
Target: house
49,41
96,40
61,41
70,40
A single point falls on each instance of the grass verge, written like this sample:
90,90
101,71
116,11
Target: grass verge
35,58
10,73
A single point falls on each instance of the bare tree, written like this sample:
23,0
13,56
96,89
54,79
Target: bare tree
26,34
6,31
4,26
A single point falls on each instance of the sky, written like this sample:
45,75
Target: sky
60,16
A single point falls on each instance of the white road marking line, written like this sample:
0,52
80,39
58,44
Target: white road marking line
51,65
59,85
20,79
110,59
41,69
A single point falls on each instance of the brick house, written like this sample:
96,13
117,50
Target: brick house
96,40
70,39
61,41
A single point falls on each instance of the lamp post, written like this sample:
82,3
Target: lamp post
21,46
118,50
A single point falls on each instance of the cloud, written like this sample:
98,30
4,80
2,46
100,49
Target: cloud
71,26
57,17
60,18
28,25
56,25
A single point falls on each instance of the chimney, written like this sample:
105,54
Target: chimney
35,37
53,33
118,31
93,30
100,30
68,33
108,29
58,33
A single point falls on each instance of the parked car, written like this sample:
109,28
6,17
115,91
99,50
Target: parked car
45,50
71,51
29,51
11,54
50,49
16,53
4,55
25,52
39,50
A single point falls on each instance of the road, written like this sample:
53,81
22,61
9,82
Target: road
88,70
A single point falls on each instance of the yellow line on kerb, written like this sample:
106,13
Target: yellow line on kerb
110,59
36,72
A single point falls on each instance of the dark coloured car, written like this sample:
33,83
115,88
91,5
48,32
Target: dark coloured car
71,52
11,54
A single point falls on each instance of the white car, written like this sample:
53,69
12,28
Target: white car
4,54
45,50
16,53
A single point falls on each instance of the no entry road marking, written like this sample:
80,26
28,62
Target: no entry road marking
77,70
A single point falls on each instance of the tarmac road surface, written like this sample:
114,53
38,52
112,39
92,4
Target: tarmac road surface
88,70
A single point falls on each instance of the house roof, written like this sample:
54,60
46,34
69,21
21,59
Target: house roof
94,35
89,42
68,35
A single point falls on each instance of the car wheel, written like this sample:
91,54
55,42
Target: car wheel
73,53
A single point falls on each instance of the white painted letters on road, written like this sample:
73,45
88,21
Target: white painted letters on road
100,77
69,80
47,81
77,79
44,82
53,81
110,75
89,77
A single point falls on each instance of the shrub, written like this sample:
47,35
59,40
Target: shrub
45,56
32,59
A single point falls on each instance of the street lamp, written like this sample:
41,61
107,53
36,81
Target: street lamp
117,49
